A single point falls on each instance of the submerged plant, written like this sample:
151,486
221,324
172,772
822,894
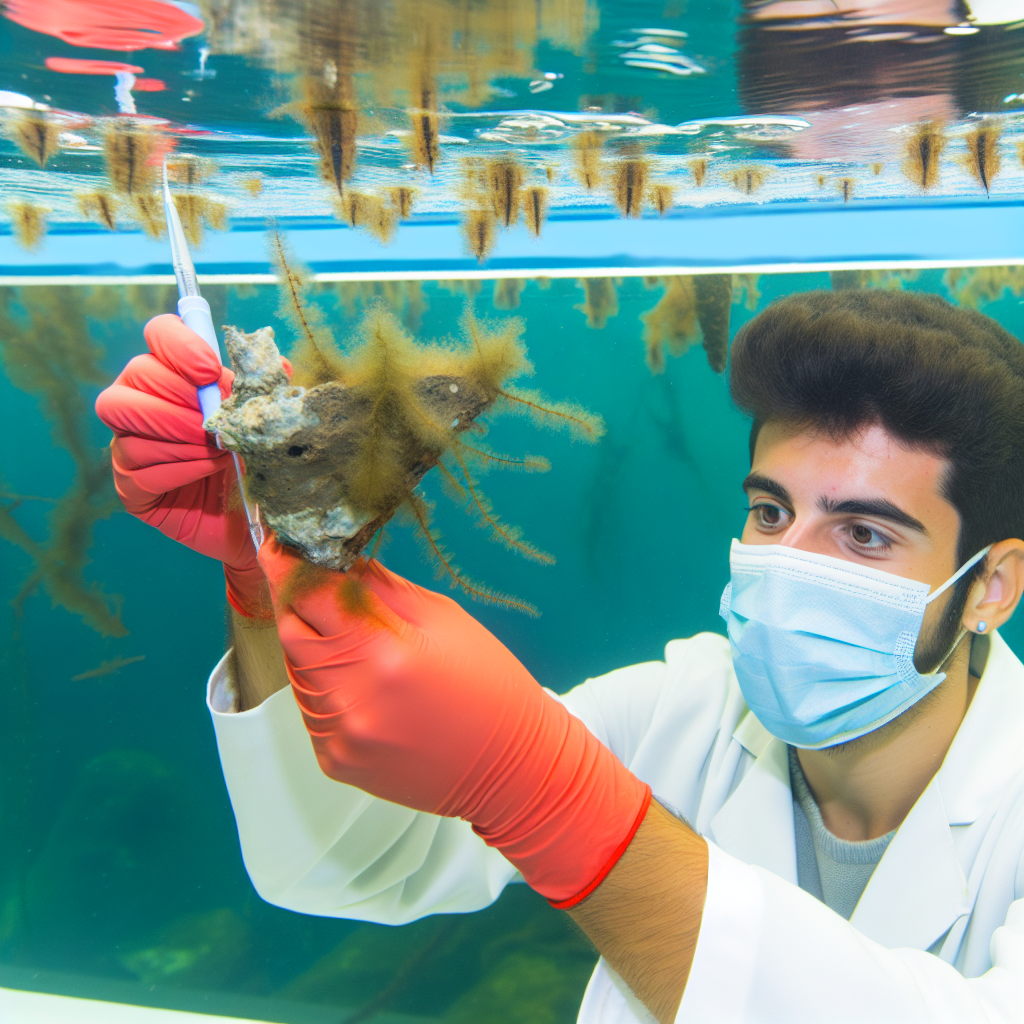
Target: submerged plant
535,208
671,325
28,224
48,353
369,212
662,198
921,154
35,133
328,109
335,452
976,286
587,148
703,301
982,158
505,182
745,289
130,152
198,212
748,179
601,300
629,185
699,170
507,291
100,207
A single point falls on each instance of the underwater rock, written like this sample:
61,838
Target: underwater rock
209,950
302,447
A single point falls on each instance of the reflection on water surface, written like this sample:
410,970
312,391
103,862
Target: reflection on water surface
308,107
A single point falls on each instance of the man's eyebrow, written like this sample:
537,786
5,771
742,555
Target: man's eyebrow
881,508
755,481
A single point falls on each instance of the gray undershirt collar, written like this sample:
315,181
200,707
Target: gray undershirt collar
834,870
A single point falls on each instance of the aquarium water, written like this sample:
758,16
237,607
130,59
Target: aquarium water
575,164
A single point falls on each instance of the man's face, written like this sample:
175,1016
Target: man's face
865,499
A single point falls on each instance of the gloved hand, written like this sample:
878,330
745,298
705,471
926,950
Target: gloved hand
406,696
167,470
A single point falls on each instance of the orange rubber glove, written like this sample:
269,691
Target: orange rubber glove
410,699
167,470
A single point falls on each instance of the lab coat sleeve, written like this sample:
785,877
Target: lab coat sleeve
767,951
317,846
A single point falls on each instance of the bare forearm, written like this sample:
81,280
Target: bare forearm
645,917
257,661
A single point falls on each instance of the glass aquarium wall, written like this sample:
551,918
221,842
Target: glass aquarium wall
121,876
621,184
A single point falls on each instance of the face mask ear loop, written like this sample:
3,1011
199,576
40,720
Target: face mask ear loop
966,567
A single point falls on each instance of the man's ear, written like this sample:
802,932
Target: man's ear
996,594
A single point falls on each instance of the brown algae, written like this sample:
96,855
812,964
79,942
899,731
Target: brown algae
535,208
36,134
601,301
921,154
629,185
28,224
335,452
982,158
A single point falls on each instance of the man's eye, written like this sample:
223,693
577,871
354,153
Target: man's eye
768,516
863,536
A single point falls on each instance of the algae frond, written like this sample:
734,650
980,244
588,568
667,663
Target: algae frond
335,453
587,148
28,224
982,158
921,154
35,133
48,353
100,207
601,300
507,291
629,185
535,208
671,325
976,286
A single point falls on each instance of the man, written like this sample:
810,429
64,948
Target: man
838,824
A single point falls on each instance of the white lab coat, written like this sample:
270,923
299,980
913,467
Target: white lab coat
951,881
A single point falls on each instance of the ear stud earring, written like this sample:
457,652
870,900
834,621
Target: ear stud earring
982,626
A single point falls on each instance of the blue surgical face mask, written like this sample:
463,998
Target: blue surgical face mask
824,648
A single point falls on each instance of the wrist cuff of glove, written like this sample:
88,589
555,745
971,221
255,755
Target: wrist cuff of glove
617,853
248,592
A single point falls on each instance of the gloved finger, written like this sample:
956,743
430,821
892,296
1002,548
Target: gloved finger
408,600
330,603
127,411
135,453
182,350
170,476
146,373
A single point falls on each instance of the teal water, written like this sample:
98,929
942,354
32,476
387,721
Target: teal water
120,875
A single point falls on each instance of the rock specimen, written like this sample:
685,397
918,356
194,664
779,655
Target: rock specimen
329,465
